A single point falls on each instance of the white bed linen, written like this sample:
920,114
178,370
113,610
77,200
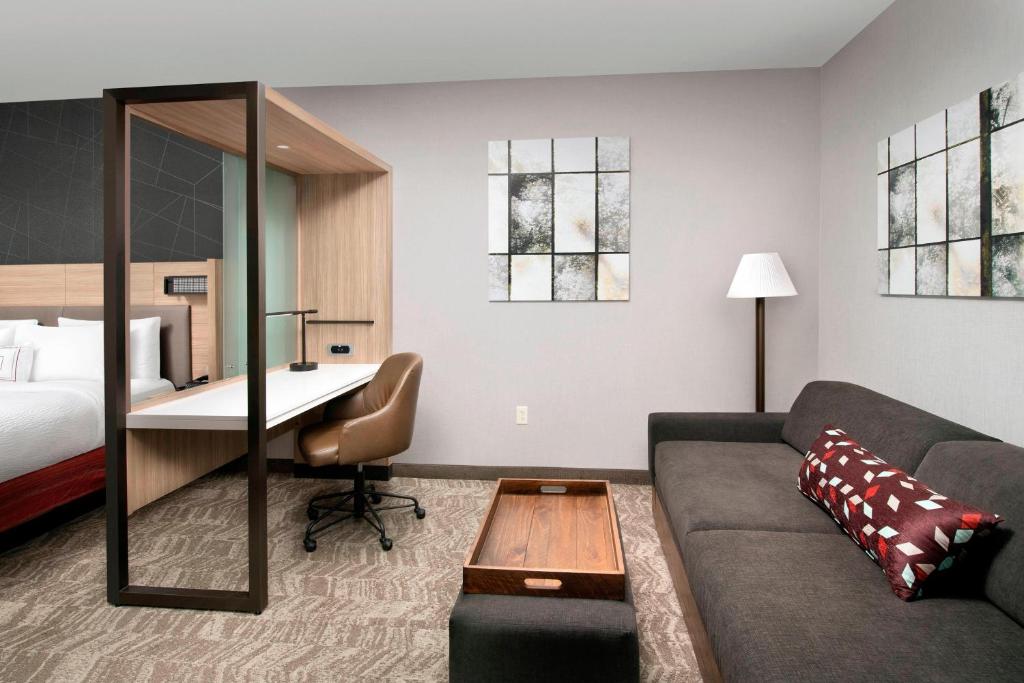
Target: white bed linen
43,423
144,388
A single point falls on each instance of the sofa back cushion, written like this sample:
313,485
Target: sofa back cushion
990,476
897,432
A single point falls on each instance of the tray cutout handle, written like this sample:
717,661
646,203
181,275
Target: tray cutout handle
542,584
550,488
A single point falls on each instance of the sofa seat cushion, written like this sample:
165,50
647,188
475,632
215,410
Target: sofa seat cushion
726,485
811,607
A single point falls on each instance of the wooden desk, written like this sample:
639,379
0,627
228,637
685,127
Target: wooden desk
170,440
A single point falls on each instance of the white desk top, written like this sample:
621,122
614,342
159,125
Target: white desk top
225,407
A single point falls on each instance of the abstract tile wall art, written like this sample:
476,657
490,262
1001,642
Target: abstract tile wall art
558,219
951,200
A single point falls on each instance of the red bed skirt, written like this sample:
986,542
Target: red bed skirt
36,493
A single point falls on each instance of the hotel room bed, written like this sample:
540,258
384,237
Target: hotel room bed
43,423
47,462
52,432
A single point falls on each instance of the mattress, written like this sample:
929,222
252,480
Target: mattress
43,423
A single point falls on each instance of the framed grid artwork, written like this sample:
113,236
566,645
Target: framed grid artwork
558,219
951,200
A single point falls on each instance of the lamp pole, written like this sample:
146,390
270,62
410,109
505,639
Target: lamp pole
759,353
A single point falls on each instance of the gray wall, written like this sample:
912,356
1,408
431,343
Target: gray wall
722,164
51,188
961,359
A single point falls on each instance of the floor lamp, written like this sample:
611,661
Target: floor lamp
759,276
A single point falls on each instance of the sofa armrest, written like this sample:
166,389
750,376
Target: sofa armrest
740,427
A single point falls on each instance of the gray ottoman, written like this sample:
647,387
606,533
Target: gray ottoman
519,638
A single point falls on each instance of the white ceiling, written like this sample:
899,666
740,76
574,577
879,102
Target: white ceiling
74,48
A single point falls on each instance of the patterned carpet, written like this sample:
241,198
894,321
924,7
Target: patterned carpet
348,611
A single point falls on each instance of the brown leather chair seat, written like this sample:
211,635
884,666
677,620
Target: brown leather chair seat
375,422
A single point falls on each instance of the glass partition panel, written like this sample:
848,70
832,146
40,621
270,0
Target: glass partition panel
280,267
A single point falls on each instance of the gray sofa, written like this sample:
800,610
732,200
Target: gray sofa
773,591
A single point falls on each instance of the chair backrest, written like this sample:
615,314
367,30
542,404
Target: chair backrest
397,387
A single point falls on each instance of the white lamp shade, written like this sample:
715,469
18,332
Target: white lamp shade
761,275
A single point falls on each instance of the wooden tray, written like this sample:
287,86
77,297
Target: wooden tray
548,537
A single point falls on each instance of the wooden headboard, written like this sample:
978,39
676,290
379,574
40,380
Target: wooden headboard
81,284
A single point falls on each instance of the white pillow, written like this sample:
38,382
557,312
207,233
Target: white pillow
16,323
15,363
63,352
145,337
6,336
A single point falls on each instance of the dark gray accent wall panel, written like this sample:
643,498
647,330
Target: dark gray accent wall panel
51,188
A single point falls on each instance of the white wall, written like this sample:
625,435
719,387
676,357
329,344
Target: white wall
722,163
963,359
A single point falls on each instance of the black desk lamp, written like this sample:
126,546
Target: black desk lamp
303,366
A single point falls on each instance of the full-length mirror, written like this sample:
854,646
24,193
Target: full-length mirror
238,227
177,240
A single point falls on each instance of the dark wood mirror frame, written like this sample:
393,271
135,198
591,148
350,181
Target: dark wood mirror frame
117,105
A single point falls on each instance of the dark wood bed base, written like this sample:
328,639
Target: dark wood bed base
709,670
34,495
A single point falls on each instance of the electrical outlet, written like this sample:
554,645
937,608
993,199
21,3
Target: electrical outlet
340,349
521,415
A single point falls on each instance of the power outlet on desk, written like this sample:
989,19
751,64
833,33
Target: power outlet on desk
340,349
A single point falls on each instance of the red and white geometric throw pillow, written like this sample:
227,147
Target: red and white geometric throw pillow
911,531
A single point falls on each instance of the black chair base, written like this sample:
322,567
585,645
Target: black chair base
326,510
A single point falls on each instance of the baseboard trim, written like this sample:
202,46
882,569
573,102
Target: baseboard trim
482,472
492,472
303,471
280,466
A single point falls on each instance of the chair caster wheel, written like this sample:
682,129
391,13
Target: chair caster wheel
309,544
312,513
374,498
420,512
386,543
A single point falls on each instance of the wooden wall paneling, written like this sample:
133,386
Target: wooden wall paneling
32,285
81,284
162,460
345,263
84,284
204,331
142,276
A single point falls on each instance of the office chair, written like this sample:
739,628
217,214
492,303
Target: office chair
373,423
